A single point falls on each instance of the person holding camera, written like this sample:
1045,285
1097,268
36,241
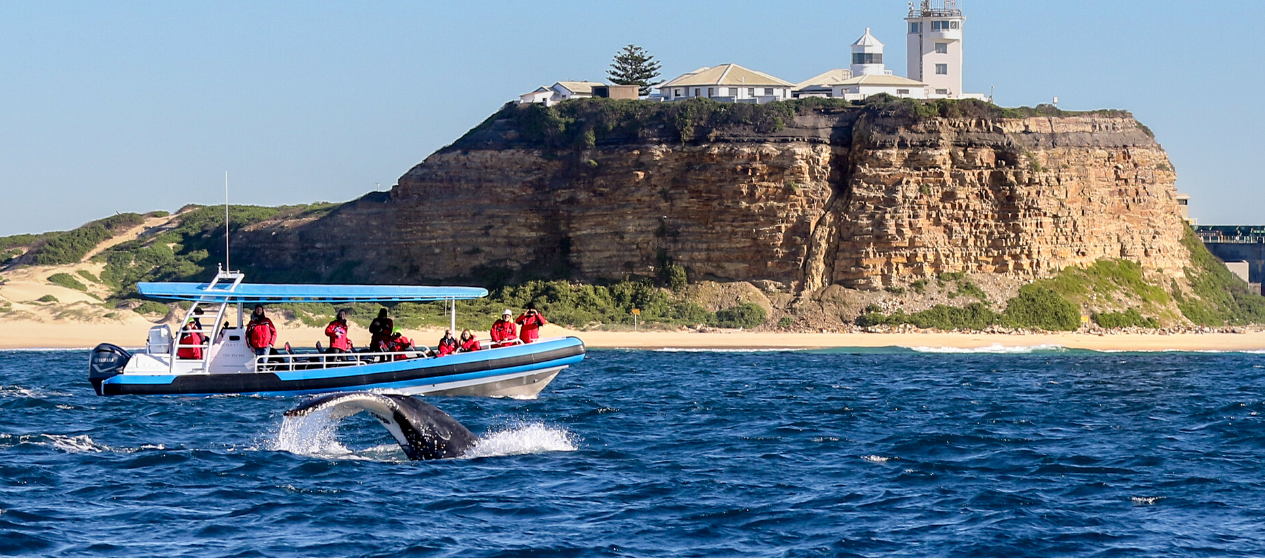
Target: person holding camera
531,321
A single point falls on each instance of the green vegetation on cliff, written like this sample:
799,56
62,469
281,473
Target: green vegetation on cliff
1035,307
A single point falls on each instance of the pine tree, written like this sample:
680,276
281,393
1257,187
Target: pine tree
633,66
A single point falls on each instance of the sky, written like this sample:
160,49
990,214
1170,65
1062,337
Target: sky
129,106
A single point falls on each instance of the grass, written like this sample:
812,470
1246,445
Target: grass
88,276
47,299
1034,307
67,281
1129,318
152,308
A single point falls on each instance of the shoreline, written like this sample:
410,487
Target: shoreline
30,335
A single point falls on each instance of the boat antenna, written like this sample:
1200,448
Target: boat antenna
227,267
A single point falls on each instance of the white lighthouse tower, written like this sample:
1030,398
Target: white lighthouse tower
867,56
935,47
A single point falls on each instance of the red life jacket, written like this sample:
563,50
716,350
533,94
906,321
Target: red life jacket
260,333
503,332
471,345
447,345
193,353
380,329
337,333
531,326
399,344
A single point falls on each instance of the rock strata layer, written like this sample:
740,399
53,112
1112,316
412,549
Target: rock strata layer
835,197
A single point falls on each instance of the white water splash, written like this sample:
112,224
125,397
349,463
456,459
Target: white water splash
993,349
71,444
523,439
14,391
1146,500
313,435
876,458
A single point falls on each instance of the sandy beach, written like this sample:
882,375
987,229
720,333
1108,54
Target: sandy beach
33,334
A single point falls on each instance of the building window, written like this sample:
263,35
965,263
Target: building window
953,25
915,27
942,69
902,92
942,92
939,25
711,92
942,48
867,58
695,92
750,92
768,91
676,93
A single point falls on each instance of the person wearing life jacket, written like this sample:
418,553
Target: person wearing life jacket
380,330
504,333
190,342
468,342
399,343
260,332
447,344
337,333
531,321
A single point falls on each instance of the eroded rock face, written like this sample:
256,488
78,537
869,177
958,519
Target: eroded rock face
834,198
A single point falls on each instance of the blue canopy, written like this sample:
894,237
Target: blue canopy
289,293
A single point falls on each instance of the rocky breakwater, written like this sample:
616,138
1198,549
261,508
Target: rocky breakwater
796,196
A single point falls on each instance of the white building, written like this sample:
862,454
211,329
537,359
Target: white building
819,85
727,82
562,91
935,47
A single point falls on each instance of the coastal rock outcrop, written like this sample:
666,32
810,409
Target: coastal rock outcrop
827,196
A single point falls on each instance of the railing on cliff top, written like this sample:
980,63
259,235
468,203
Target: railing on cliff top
1218,238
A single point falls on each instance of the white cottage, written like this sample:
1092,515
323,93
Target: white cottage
870,75
729,83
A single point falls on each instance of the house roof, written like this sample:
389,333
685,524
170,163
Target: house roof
541,89
579,87
867,40
879,80
726,75
826,78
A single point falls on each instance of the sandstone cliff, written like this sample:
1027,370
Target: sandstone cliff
826,195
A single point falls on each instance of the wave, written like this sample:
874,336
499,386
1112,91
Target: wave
15,391
71,444
995,348
721,350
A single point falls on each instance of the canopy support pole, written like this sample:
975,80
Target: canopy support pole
453,319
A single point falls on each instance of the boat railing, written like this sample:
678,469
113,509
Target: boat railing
285,361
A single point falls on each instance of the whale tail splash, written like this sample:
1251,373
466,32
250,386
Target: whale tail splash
423,431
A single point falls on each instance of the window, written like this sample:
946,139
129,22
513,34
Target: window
750,92
695,92
711,92
867,58
939,25
942,48
676,93
915,27
942,69
942,92
768,91
902,92
953,25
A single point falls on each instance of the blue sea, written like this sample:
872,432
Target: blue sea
889,452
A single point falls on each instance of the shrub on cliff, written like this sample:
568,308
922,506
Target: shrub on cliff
67,281
1129,318
745,316
70,246
975,316
1042,308
1223,297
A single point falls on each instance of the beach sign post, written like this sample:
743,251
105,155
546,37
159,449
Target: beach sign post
635,312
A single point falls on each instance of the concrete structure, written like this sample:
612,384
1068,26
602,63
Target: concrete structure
562,91
867,56
934,44
1238,246
727,82
1183,205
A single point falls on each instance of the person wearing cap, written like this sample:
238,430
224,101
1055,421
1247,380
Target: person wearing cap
190,346
531,320
504,333
399,343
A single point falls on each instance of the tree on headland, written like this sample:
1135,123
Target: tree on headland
633,66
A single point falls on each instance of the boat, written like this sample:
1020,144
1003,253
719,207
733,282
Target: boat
228,366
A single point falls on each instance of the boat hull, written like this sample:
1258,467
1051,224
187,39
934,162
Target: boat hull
515,371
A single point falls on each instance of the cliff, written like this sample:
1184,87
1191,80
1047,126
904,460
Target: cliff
798,196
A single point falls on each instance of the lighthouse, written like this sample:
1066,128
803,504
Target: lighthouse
935,47
867,56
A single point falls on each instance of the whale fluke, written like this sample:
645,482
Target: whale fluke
423,431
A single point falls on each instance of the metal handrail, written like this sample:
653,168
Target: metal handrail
338,359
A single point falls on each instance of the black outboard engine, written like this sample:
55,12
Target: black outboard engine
107,361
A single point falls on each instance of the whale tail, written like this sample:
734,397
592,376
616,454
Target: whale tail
423,431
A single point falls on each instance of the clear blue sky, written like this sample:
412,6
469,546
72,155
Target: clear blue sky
135,106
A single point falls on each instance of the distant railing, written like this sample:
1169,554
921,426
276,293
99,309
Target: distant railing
1245,239
324,360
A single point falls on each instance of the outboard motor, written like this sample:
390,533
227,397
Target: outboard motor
107,361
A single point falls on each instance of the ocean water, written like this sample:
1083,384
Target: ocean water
889,452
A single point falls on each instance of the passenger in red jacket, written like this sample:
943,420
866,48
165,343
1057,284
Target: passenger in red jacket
447,344
193,340
260,332
531,322
380,330
399,343
337,333
468,342
504,333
